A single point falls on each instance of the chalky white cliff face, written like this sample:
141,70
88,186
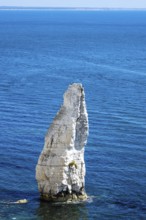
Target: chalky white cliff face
60,171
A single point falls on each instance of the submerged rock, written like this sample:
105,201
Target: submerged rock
21,201
60,171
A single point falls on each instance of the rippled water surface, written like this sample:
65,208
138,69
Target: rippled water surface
41,53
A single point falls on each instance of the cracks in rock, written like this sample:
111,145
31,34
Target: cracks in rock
51,142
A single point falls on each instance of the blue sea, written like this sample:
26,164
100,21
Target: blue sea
41,53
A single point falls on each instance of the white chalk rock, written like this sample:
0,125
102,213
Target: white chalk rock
60,171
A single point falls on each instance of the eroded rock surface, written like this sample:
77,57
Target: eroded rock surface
60,171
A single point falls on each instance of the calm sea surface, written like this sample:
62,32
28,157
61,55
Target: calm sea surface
41,53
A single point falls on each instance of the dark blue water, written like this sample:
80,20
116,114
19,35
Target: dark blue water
41,53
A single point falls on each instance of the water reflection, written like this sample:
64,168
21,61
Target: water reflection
62,211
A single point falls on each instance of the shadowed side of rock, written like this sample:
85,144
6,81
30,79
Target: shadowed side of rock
60,171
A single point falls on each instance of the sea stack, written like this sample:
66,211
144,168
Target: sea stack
60,171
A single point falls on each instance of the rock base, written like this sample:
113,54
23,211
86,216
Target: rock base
64,197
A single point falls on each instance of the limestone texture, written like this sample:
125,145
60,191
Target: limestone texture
60,171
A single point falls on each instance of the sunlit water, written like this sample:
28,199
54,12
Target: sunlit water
41,53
